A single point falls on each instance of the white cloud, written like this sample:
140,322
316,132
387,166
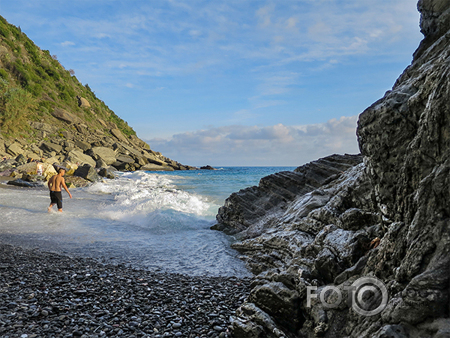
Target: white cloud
264,16
67,43
255,145
195,33
275,34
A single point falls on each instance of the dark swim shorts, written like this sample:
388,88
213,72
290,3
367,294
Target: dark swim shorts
56,197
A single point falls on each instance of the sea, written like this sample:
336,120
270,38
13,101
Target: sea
153,220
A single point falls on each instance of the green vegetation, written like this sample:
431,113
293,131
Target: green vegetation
33,83
15,106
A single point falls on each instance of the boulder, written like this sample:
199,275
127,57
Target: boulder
50,160
107,172
15,149
83,103
34,148
7,172
87,172
32,155
103,123
138,142
128,150
21,159
14,173
123,159
257,323
155,167
79,158
154,160
118,135
82,129
121,166
83,145
48,170
207,167
67,135
24,184
64,115
50,146
282,303
7,164
28,168
33,178
76,182
70,168
106,154
100,163
141,161
42,127
41,134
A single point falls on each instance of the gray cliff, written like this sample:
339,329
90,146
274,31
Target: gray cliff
343,219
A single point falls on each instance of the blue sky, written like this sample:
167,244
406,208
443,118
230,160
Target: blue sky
231,82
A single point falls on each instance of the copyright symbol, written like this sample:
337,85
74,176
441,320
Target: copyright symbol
369,296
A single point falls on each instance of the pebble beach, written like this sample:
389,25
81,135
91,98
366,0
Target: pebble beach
44,294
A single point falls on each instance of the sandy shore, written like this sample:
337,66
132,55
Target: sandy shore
50,295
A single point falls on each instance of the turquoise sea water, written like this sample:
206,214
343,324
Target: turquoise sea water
218,184
156,220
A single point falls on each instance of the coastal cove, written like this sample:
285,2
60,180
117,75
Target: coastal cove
346,246
153,220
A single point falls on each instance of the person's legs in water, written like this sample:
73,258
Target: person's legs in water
59,201
55,198
49,209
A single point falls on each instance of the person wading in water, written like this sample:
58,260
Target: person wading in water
54,185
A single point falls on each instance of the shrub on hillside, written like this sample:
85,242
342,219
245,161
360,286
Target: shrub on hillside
15,107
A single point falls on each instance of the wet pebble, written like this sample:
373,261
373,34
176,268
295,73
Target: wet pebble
57,296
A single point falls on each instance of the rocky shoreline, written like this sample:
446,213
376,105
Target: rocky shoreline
88,154
49,295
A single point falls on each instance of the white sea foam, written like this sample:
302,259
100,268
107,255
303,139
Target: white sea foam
140,194
142,218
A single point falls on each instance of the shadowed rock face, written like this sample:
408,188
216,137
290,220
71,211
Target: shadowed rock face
405,138
388,217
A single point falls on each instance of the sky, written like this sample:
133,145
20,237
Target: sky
231,83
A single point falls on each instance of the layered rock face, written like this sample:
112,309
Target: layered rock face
251,210
386,218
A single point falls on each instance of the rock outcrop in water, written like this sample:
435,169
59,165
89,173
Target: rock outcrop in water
386,218
251,210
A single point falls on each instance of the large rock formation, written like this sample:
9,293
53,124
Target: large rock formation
58,118
251,210
377,233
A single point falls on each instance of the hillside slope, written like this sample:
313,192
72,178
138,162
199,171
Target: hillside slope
45,112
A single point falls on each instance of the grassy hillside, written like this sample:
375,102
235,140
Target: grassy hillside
33,84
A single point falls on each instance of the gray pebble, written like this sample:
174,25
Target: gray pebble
113,301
